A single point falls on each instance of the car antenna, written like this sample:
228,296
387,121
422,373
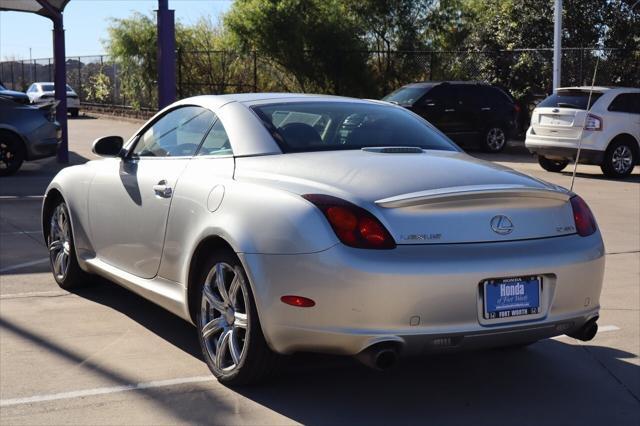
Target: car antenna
586,115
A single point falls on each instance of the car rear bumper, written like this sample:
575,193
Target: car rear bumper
426,298
557,148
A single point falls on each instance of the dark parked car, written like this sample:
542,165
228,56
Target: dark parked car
18,97
26,133
467,112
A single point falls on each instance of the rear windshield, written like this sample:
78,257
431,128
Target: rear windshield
327,126
406,95
51,88
576,99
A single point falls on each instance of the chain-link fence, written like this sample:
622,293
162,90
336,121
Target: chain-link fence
526,73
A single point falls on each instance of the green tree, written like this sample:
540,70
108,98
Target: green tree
303,38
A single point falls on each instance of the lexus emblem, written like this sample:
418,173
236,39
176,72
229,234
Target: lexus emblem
501,225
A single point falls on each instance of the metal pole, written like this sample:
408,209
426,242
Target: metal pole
255,71
166,55
60,85
557,43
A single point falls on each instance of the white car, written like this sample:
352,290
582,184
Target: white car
276,225
609,128
45,92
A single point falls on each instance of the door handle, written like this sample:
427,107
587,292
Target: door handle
449,110
162,189
485,109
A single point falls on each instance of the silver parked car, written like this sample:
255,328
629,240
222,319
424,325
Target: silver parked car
281,223
26,133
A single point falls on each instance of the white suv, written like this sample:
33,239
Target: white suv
609,128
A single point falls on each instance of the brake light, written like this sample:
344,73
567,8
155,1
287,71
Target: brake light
353,225
593,122
585,222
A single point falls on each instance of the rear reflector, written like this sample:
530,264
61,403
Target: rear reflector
585,222
299,301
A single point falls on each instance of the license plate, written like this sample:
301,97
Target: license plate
556,120
512,297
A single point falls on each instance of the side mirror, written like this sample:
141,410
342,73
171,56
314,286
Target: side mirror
108,146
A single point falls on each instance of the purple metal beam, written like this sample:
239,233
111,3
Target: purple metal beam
166,55
60,77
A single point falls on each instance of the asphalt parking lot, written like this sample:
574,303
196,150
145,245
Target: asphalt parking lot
105,356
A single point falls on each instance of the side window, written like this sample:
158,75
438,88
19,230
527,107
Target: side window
216,142
626,102
176,134
441,96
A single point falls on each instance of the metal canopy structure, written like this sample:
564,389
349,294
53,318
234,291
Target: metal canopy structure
51,9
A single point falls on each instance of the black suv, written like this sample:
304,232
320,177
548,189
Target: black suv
467,112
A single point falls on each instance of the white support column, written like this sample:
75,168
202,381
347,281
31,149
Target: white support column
557,44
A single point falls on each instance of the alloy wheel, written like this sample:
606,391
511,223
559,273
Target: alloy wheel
622,159
224,322
7,156
495,139
60,242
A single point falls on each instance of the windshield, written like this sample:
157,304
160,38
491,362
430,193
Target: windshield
406,95
576,99
326,126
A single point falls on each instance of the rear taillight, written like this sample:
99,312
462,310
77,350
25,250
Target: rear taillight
593,122
353,225
585,222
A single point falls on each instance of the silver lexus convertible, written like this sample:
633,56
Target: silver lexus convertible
279,223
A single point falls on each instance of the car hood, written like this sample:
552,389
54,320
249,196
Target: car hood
368,176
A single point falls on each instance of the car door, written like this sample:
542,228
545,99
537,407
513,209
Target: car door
130,198
438,107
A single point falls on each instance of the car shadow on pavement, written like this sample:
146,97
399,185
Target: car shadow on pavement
33,177
169,327
633,178
550,382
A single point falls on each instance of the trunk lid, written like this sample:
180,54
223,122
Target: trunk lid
559,122
432,197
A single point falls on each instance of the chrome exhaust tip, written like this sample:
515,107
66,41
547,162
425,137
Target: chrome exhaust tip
587,332
381,356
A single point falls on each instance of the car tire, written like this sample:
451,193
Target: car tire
62,253
229,331
619,159
552,165
12,153
74,112
494,139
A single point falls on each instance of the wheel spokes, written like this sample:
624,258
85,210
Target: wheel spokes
213,301
240,320
222,345
234,351
212,327
220,283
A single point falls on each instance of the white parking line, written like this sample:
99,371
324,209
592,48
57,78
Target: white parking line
23,265
103,391
21,197
34,294
20,232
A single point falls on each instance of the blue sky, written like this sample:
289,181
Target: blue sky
86,24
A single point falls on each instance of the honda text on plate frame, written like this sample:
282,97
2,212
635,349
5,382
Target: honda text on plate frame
283,223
